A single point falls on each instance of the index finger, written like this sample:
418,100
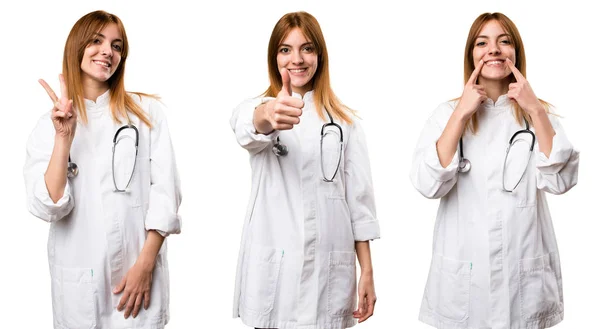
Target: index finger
64,93
515,70
475,73
49,91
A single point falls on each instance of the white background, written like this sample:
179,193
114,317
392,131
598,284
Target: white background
393,63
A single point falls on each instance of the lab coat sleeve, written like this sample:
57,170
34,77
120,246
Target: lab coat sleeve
427,174
557,173
359,186
39,151
243,126
165,191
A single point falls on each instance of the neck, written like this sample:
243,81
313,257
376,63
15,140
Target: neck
92,89
302,90
495,88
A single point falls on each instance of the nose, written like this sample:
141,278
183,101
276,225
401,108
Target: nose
297,58
106,49
494,49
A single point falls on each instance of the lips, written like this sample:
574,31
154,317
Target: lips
495,61
102,63
302,70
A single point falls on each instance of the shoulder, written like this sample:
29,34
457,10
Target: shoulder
441,114
150,104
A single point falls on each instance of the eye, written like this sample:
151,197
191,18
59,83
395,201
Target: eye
284,50
505,41
308,49
480,44
96,41
117,47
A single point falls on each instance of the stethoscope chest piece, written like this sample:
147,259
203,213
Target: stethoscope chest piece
279,149
464,165
72,169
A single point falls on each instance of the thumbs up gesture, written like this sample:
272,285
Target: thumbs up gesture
282,113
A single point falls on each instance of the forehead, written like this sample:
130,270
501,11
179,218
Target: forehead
111,31
492,28
295,36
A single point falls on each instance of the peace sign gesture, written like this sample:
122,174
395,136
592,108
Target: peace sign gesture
473,94
522,93
63,116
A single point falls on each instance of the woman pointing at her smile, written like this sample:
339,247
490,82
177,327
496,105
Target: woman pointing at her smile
491,155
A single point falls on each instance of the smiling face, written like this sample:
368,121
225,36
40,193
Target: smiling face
298,56
493,45
102,56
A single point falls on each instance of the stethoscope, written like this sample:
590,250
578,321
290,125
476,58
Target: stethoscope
282,150
464,165
73,170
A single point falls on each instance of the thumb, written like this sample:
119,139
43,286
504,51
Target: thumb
286,82
120,286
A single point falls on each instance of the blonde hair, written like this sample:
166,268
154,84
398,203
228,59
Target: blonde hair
323,94
520,61
82,34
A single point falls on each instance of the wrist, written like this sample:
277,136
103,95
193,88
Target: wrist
62,145
261,124
146,261
366,271
538,111
461,115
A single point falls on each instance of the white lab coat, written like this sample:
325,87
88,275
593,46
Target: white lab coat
495,260
96,234
297,261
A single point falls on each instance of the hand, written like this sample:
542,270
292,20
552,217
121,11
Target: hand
135,287
473,94
63,116
366,298
522,93
283,112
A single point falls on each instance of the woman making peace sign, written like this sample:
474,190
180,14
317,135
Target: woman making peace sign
111,211
312,209
490,156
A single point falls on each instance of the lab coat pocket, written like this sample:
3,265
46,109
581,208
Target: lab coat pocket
448,288
262,276
540,287
341,283
73,297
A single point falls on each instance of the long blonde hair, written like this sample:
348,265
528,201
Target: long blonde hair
82,34
520,61
323,94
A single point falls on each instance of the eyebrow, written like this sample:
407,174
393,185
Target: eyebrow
103,36
302,45
499,36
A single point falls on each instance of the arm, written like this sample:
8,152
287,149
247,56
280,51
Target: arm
428,175
360,196
42,202
557,161
165,190
242,123
55,177
257,122
366,285
557,170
